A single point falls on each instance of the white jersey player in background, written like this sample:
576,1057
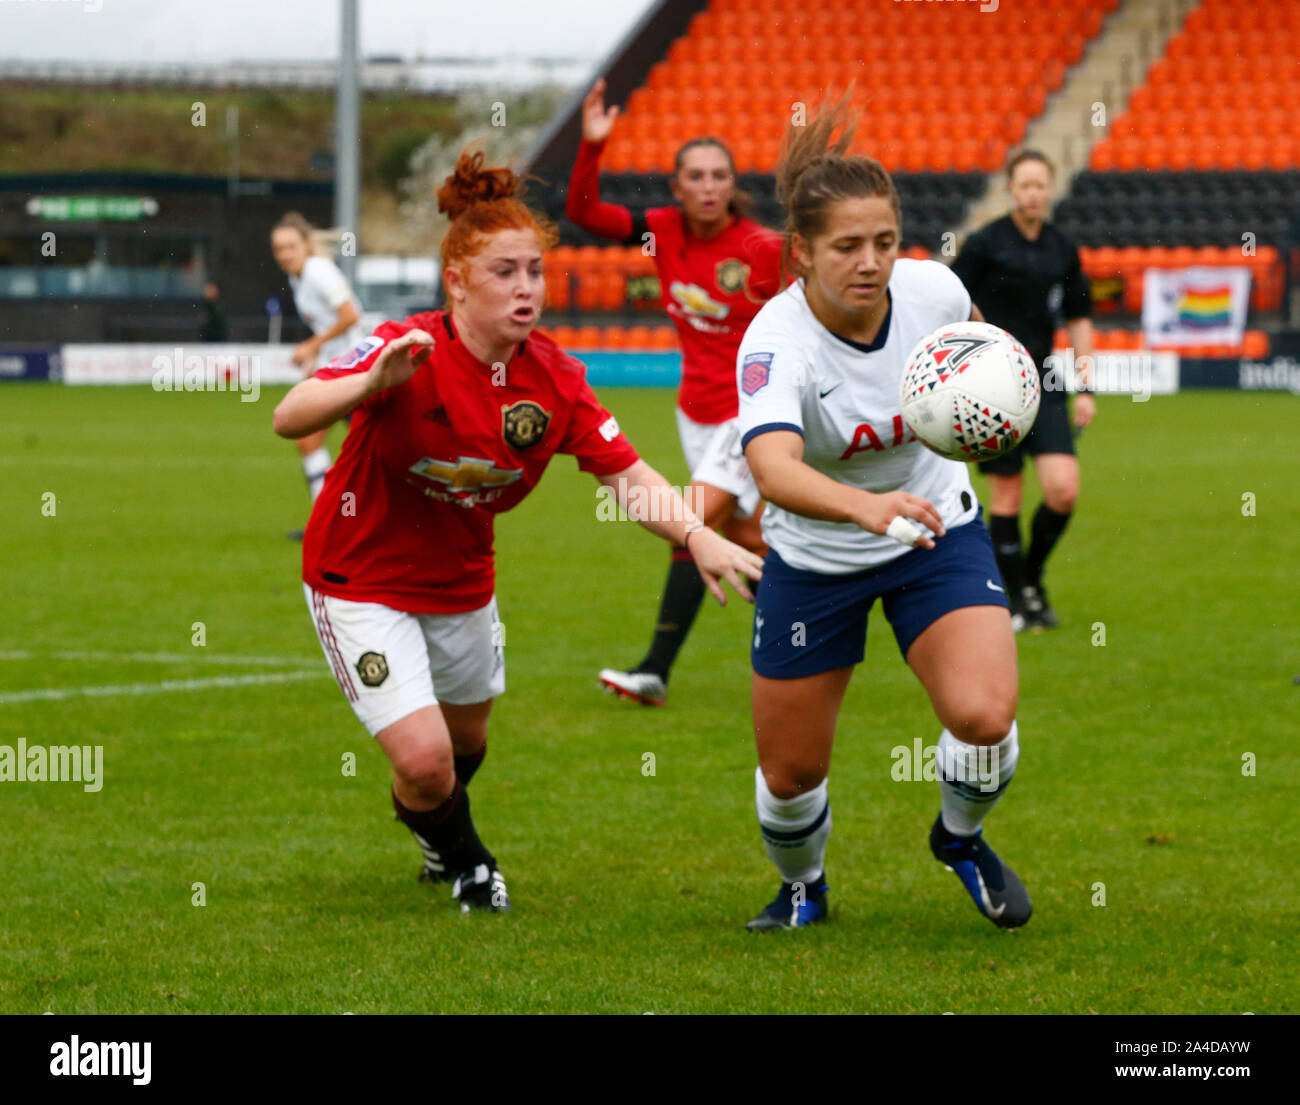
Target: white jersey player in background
818,374
327,304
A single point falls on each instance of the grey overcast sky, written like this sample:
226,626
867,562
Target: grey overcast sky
176,30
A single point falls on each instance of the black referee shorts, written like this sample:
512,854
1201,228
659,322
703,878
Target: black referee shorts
1052,433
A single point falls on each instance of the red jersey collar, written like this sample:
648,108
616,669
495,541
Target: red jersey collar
687,232
451,333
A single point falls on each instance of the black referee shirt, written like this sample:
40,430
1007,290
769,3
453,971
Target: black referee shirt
1024,286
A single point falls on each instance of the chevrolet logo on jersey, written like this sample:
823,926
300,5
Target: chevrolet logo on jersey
696,301
467,474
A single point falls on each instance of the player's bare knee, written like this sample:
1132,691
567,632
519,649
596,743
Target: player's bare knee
1061,499
1005,500
430,772
984,723
791,780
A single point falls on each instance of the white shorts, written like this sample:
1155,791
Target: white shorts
389,663
714,456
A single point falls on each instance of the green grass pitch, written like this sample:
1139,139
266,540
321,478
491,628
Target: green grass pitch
631,890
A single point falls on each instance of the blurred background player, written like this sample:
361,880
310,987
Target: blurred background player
716,268
327,304
1024,274
214,327
818,379
455,415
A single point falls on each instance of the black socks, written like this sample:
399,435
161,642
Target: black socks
1045,533
447,832
683,593
1005,531
468,764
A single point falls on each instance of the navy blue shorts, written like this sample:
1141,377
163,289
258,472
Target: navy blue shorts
806,623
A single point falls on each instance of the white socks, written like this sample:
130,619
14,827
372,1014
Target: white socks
795,830
314,466
972,778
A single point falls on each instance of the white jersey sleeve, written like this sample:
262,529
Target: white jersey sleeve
330,283
947,291
772,375
319,293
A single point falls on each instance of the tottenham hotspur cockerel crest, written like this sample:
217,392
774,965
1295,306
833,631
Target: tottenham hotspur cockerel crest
523,424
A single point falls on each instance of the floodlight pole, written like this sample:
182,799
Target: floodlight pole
347,142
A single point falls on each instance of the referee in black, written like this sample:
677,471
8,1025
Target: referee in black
1024,274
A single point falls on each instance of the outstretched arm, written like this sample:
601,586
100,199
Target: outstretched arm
583,205
648,498
316,404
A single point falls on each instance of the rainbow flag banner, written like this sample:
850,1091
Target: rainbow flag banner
1198,306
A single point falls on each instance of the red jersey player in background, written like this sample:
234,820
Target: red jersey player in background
717,267
455,415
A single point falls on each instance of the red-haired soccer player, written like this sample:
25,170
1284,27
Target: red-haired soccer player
455,415
717,267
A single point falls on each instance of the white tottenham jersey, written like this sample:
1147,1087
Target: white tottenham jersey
794,374
318,293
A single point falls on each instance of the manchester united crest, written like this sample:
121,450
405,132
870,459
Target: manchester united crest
373,668
731,275
523,423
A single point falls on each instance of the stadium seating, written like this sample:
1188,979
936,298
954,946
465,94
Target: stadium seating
709,81
1181,178
1245,53
1254,344
657,339
1196,208
1203,167
1268,275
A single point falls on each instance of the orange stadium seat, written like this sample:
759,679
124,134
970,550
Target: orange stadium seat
708,80
1246,54
1255,345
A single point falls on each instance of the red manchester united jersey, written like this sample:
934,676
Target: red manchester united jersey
406,514
712,288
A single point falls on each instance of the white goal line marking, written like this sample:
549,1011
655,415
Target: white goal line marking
196,657
53,694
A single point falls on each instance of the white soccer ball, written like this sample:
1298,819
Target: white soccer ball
970,391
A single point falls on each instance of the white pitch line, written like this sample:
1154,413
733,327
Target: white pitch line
196,657
159,464
57,693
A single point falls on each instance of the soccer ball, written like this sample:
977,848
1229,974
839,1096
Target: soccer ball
970,391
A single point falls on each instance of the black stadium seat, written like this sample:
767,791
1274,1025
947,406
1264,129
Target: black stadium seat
1192,208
